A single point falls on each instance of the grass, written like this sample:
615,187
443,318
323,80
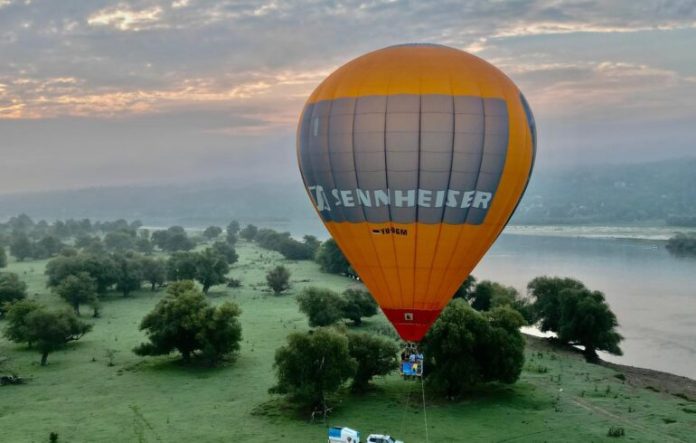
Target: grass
82,398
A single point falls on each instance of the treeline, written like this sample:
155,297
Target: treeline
682,245
476,340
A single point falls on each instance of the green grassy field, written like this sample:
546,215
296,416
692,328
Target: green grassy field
78,395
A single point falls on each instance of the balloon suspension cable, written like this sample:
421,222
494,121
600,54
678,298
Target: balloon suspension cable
403,416
425,414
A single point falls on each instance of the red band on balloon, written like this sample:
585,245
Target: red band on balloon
411,324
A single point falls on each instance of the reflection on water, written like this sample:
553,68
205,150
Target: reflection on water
652,293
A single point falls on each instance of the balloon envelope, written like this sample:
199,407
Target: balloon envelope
415,157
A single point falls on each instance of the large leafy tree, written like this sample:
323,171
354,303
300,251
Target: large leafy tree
249,232
16,326
186,322
374,355
226,250
465,348
78,289
332,260
154,271
323,307
3,257
101,268
129,273
358,303
312,366
21,247
181,266
587,320
48,330
211,269
212,232
487,295
11,289
546,293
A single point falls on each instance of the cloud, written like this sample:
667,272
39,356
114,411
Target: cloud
124,18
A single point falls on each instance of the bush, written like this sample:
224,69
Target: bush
185,321
313,365
465,348
323,307
278,279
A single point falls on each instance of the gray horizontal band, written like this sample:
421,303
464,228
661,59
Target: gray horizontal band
404,158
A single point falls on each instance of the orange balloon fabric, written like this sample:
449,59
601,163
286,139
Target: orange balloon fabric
415,157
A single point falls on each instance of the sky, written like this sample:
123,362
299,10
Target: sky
101,93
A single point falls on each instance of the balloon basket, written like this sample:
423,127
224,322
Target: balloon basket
411,366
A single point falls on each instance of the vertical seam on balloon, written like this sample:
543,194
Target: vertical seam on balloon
386,178
420,152
459,233
449,180
357,183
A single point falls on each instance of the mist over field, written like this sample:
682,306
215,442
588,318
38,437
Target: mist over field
644,194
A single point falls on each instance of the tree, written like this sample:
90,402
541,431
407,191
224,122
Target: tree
211,269
78,289
101,268
233,227
48,331
120,241
323,307
173,239
185,321
587,320
487,295
21,247
231,232
682,245
546,294
212,232
16,329
49,247
358,303
226,250
129,274
332,260
278,279
11,289
181,266
3,257
375,355
154,271
465,348
466,290
249,232
313,365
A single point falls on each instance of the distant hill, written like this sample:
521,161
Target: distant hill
656,192
647,193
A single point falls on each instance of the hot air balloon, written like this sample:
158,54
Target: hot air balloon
415,157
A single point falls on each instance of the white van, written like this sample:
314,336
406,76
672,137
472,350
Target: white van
339,434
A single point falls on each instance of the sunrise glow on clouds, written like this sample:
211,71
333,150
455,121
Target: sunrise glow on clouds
253,63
